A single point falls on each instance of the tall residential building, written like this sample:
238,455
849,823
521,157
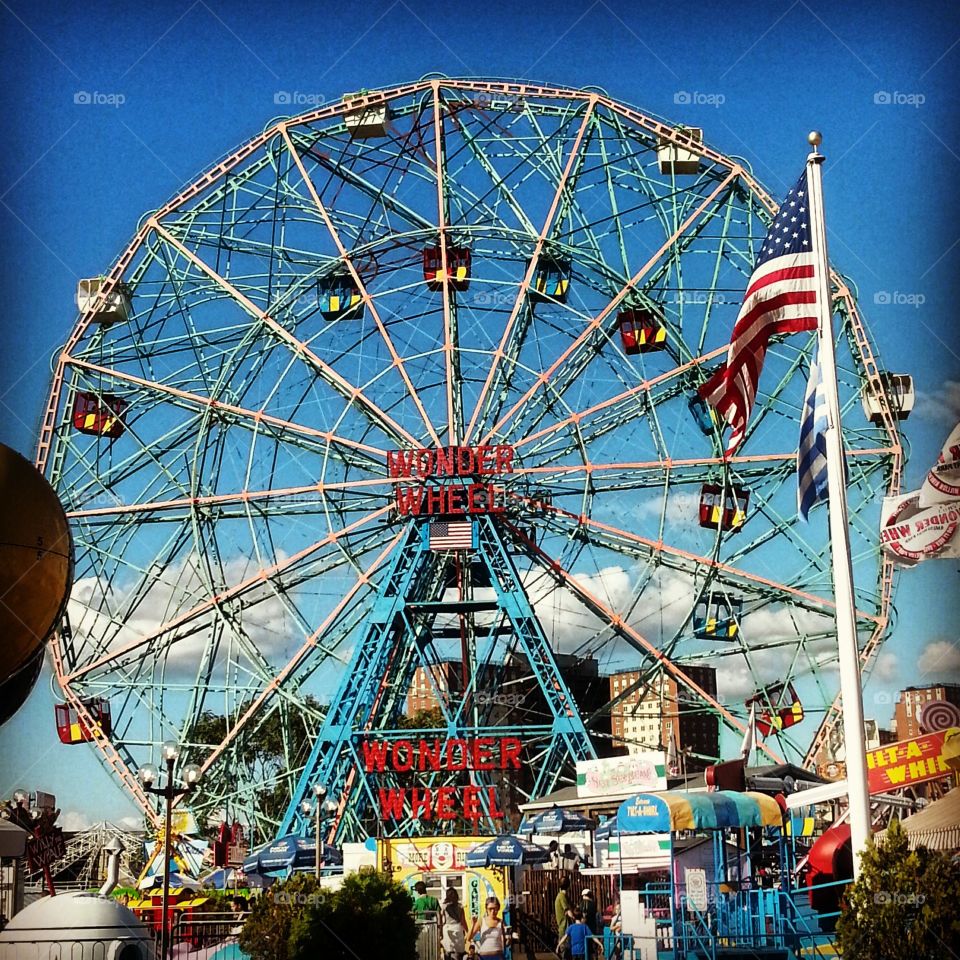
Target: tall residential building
649,717
447,679
906,714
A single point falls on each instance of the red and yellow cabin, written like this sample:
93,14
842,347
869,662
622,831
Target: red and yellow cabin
777,708
98,414
641,331
458,267
723,508
71,729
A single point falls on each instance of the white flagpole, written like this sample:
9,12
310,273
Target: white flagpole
850,689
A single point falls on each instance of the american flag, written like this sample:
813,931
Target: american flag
812,453
781,298
451,536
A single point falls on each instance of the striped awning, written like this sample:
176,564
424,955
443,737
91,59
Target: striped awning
937,826
673,810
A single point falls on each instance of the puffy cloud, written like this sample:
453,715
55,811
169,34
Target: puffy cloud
942,405
940,659
102,613
73,821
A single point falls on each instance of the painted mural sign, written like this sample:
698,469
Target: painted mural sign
907,762
638,773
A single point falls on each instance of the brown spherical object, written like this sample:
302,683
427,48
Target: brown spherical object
36,561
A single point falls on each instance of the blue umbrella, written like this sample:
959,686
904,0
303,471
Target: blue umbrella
289,853
558,820
506,851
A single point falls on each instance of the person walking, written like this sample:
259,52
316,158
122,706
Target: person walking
563,914
492,935
578,937
453,927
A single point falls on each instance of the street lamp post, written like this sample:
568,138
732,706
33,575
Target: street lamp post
319,808
191,776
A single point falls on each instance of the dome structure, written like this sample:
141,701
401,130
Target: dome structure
81,925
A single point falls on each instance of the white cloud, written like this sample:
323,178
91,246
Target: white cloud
74,821
101,613
943,405
940,659
886,669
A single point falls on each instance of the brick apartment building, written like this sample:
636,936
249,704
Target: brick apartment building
906,714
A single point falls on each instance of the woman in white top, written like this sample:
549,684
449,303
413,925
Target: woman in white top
453,927
493,939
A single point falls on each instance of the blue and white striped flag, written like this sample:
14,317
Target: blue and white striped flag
812,455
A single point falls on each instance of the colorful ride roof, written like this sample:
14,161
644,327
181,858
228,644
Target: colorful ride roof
674,810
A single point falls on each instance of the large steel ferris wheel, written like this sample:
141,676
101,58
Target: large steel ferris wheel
451,263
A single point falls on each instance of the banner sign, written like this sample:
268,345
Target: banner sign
942,483
458,463
45,846
911,533
906,763
446,802
639,773
644,814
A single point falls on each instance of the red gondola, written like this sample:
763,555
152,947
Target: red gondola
723,508
98,414
641,331
777,707
458,267
71,729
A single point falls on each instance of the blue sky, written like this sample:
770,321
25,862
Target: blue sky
111,109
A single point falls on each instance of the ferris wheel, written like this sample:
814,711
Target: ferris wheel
410,380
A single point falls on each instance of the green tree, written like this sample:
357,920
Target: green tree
297,920
422,720
903,905
271,748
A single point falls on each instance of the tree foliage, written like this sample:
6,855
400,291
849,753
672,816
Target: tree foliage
269,749
422,720
298,920
903,905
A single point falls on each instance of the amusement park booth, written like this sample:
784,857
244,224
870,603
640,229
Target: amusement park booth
714,904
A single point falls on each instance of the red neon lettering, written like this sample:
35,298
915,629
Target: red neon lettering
510,748
435,499
483,753
421,806
495,812
451,763
471,803
446,803
454,498
464,461
399,464
445,464
428,755
409,500
504,459
406,763
391,802
424,462
374,755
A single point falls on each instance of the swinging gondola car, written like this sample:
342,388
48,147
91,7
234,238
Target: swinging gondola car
676,159
723,508
551,280
458,267
338,297
717,617
898,388
704,415
641,331
367,122
777,708
110,308
71,729
98,414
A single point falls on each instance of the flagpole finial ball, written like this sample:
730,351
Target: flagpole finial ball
815,138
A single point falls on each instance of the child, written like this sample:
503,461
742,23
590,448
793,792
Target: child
577,934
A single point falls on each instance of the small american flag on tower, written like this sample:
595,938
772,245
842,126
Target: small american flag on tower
444,535
781,298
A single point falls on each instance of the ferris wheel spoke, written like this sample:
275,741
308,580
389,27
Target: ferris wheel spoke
595,605
348,391
236,591
635,545
506,341
364,293
304,652
702,209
